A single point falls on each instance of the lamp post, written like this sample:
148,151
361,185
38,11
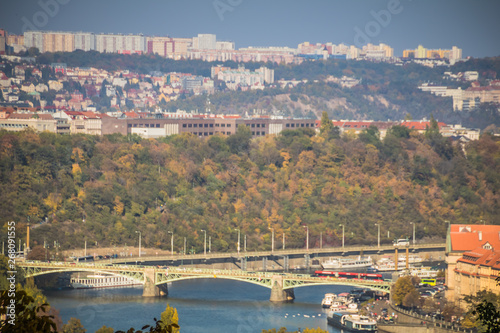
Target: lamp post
245,244
205,243
413,232
184,246
321,240
284,241
138,232
272,240
307,237
341,225
238,241
378,234
171,242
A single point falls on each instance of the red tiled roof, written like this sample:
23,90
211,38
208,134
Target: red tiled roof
420,125
468,237
482,257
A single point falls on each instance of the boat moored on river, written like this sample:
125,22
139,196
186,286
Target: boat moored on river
101,281
352,322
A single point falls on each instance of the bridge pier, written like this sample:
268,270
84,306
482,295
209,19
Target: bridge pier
150,288
278,294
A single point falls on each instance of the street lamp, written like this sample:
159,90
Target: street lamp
413,232
307,237
341,225
137,232
378,237
272,240
171,242
238,241
321,240
205,244
283,241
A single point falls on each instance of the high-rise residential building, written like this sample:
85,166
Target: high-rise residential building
224,45
56,41
15,39
84,41
111,43
34,39
204,42
173,48
422,53
378,51
3,41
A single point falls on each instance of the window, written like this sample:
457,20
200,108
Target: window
287,125
222,125
263,125
212,125
258,125
129,125
190,125
253,125
195,125
302,125
184,125
229,125
206,125
157,125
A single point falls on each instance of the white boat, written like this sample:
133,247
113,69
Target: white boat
101,281
386,265
347,263
328,300
352,322
420,272
412,259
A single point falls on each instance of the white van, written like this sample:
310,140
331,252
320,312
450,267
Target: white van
402,242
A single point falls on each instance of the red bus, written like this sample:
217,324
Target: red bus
350,275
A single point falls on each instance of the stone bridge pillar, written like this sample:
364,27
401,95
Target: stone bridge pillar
150,288
277,292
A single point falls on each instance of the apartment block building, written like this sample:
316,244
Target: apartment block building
454,54
201,126
58,41
118,43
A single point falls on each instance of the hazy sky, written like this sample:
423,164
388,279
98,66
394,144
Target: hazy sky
473,25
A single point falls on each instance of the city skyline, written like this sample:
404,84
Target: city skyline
402,24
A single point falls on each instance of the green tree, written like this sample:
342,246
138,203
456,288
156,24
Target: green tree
27,319
240,141
73,326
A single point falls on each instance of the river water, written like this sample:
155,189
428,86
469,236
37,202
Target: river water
203,305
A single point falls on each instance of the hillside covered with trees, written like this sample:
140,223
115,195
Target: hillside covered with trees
105,188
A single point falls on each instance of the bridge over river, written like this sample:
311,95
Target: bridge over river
155,279
286,257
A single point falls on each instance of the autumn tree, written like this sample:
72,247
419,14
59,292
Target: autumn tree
402,288
170,319
73,326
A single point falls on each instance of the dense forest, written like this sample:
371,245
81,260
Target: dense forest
106,188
